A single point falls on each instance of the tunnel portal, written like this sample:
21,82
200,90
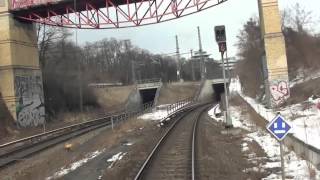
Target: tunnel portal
218,90
148,95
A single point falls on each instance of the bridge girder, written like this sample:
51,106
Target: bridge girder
106,14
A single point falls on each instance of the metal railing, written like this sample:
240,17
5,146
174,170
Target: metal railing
178,105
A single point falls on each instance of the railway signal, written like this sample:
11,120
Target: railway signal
220,32
220,35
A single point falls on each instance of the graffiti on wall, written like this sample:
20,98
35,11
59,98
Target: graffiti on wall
279,91
30,105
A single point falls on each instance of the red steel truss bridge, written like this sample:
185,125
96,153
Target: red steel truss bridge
106,14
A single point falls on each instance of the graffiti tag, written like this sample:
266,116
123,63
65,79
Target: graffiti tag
30,105
280,92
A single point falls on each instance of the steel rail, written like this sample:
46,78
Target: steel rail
27,146
156,148
49,132
194,132
24,144
20,153
193,148
115,114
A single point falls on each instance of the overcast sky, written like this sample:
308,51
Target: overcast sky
160,38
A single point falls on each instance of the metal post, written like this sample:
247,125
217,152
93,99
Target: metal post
282,161
79,65
178,60
44,125
112,122
228,120
228,70
133,74
192,66
80,87
201,55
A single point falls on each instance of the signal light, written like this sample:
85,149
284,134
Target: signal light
220,32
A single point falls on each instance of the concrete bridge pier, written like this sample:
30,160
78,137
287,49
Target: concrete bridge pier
20,75
274,59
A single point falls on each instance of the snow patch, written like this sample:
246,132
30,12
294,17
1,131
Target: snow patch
156,115
128,144
115,158
215,113
160,112
67,169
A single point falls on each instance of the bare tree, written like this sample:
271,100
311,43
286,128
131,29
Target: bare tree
46,36
298,19
250,51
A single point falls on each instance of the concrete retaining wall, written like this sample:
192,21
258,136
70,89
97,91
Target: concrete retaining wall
304,150
172,93
206,91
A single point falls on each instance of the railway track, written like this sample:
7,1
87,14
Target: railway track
174,155
20,149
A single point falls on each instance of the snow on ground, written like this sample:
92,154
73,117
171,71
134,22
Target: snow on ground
115,158
67,169
214,113
155,115
303,117
128,144
159,113
295,167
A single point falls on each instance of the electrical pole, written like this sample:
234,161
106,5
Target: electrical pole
79,66
178,60
226,91
202,71
192,66
80,86
133,74
228,70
